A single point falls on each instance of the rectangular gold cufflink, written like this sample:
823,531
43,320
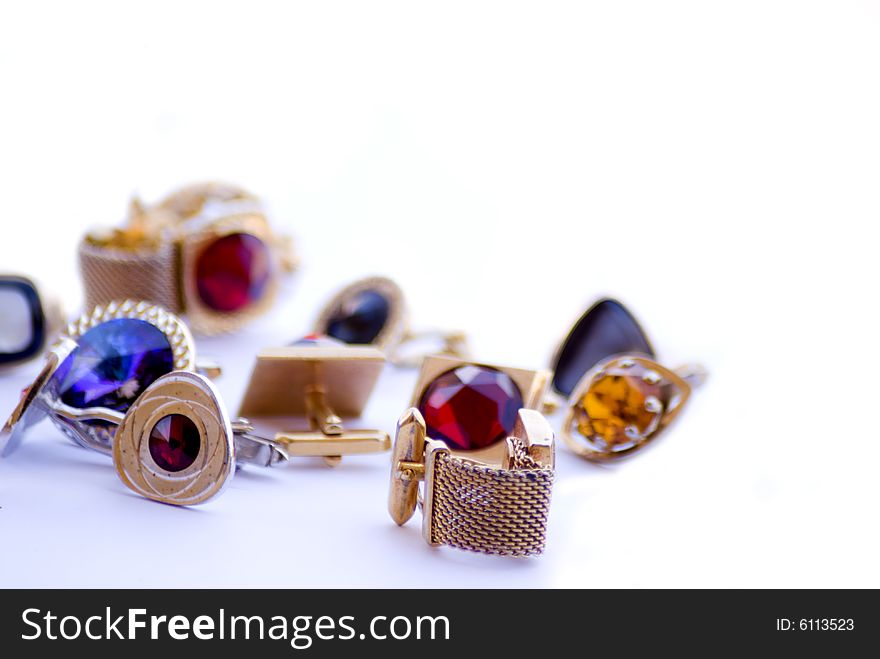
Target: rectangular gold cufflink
322,384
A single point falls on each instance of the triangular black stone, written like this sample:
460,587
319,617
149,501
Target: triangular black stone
607,328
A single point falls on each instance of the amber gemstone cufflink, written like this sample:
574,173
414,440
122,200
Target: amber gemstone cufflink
206,250
372,311
29,319
619,397
485,455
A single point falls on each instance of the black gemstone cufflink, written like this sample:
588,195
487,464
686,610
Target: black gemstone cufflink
28,320
619,397
372,311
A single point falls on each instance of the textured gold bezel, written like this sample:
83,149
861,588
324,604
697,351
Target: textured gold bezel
174,328
194,397
395,326
203,318
680,391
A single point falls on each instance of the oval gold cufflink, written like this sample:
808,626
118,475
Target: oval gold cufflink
372,311
484,454
207,250
30,319
177,444
619,398
174,444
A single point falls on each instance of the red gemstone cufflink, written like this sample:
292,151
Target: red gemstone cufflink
372,311
484,454
619,397
206,250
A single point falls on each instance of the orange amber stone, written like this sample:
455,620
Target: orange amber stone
622,406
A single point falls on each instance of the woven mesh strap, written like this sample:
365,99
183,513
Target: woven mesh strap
110,274
488,509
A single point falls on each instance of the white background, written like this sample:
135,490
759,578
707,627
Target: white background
715,165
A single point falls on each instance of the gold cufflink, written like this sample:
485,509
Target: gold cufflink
178,445
206,250
29,319
619,397
484,454
322,381
373,311
121,381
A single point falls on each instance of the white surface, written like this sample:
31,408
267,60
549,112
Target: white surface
715,165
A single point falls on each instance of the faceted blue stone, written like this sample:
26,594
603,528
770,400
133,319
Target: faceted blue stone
361,318
113,363
607,328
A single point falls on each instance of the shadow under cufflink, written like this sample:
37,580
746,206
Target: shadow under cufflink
484,454
618,397
373,311
322,381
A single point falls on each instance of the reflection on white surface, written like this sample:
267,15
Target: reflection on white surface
16,327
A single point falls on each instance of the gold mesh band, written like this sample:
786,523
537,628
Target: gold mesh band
489,509
110,274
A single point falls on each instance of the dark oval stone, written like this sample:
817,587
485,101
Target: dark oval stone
232,272
361,318
113,363
607,328
471,406
175,442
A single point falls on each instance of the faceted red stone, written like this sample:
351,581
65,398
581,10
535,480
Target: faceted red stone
232,272
471,407
174,442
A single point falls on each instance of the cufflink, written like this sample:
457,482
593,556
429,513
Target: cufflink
619,397
121,381
177,444
484,454
29,320
323,381
207,250
373,311
105,359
